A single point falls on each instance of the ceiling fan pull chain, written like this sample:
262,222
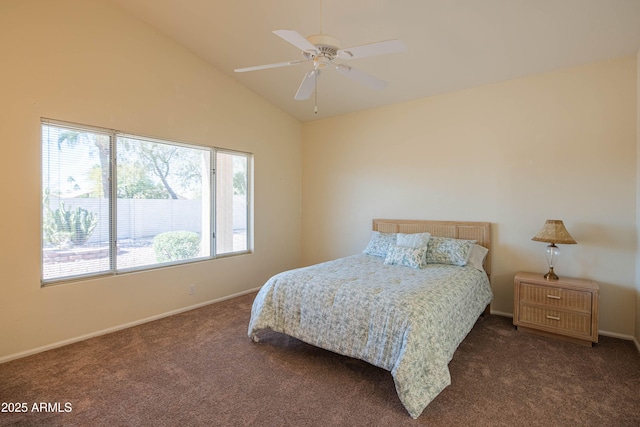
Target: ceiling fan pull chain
315,97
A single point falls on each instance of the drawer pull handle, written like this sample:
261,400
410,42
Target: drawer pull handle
552,317
553,296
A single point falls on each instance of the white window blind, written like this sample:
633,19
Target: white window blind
76,202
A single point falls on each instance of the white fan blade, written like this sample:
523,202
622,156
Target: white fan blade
372,49
267,66
297,40
307,86
362,77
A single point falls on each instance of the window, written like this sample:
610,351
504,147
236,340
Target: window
113,202
232,202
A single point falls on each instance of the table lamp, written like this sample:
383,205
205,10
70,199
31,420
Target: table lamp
553,232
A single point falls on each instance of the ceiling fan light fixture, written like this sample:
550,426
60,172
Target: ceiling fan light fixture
323,40
321,62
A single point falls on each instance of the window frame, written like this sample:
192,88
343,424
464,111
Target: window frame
113,269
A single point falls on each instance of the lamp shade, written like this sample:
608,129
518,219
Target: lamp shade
554,231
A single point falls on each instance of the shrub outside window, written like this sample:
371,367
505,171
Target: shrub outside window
113,202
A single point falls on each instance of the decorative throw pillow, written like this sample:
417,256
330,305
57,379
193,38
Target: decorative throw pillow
415,240
477,256
443,250
406,256
380,243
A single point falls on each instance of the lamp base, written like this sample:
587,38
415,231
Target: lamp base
551,275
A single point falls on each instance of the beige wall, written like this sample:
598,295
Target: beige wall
89,62
637,336
560,145
481,154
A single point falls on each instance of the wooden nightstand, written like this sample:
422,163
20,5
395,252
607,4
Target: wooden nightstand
566,308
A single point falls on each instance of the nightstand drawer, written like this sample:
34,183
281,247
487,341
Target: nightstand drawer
573,323
555,297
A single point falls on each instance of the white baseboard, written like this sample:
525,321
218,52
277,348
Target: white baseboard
501,313
622,337
600,332
202,304
119,327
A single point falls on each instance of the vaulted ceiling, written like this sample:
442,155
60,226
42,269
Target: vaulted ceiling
451,44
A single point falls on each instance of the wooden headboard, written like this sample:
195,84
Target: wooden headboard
479,231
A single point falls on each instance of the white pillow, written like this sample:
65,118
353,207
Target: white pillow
413,240
477,256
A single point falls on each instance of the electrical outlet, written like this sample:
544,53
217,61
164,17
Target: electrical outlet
192,289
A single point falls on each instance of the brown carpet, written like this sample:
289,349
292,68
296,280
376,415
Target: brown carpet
200,368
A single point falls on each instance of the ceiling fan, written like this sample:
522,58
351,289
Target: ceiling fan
325,51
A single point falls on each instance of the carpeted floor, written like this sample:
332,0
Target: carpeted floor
200,368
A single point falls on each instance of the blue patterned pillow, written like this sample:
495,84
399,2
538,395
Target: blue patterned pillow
443,250
380,243
414,240
406,256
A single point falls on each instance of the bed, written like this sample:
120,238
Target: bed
404,318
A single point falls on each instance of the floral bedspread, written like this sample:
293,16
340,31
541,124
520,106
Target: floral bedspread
407,321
